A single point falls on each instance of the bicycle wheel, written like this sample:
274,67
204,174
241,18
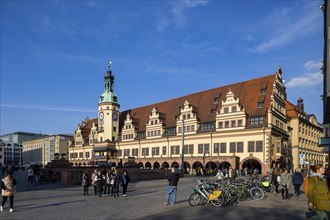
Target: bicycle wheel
243,193
194,199
256,193
218,201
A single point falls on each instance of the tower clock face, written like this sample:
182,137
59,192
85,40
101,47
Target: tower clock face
101,116
115,116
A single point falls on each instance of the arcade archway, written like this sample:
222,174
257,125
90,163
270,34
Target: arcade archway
156,165
252,165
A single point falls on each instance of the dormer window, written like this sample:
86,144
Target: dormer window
216,100
260,104
263,91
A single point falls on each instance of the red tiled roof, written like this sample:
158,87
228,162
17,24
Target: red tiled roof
248,93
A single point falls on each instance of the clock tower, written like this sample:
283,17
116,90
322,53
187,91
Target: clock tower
108,110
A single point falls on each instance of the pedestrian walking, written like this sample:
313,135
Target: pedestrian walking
8,190
109,182
219,175
94,177
85,183
285,182
30,172
276,177
125,181
98,183
297,180
116,182
173,180
318,193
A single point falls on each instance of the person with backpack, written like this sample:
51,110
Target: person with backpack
297,180
318,193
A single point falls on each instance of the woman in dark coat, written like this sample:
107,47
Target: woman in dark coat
297,180
115,188
85,183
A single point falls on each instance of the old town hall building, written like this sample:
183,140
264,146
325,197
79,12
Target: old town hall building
240,125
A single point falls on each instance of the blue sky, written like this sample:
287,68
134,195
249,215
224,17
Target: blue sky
54,54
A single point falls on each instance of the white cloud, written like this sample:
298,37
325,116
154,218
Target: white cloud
162,23
312,65
307,80
288,30
46,108
178,13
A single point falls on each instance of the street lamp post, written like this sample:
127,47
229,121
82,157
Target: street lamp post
93,156
182,153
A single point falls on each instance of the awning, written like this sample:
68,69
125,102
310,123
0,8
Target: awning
104,149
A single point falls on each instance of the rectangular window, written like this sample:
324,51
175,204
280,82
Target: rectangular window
191,149
259,146
216,148
234,109
232,147
200,148
226,110
143,151
240,147
251,146
164,150
240,123
147,151
185,149
223,148
233,124
226,124
87,154
172,150
120,153
177,149
81,154
126,152
221,124
206,148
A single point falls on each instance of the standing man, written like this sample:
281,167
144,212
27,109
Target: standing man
173,180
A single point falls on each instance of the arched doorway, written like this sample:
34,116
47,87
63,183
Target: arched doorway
140,165
252,165
198,168
224,165
148,165
165,165
175,164
156,165
211,167
187,168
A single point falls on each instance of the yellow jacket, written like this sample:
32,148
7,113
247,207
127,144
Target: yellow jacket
318,193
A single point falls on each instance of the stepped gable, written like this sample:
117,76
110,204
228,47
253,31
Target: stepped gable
203,102
87,126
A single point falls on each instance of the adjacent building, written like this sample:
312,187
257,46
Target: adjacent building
2,159
12,147
240,125
306,131
44,149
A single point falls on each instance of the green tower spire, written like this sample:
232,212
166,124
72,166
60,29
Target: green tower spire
108,95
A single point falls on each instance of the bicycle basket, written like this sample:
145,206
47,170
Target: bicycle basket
215,194
265,183
198,182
